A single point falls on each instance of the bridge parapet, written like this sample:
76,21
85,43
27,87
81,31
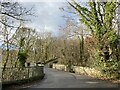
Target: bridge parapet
12,75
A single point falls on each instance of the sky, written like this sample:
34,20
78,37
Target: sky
48,16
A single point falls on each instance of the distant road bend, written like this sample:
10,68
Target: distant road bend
60,79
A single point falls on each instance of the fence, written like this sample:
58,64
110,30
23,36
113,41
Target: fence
16,74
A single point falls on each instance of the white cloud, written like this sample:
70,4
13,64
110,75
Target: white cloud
48,28
48,16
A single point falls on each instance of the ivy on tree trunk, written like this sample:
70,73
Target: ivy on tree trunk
99,17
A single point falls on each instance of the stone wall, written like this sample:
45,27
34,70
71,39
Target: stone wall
59,67
87,71
79,70
15,74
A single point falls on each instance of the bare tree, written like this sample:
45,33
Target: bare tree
24,40
11,16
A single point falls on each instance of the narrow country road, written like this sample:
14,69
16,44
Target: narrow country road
60,79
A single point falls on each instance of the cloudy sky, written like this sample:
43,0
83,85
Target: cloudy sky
48,16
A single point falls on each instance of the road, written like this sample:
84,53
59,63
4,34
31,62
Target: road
60,79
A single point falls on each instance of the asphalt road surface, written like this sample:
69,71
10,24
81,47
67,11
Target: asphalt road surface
60,79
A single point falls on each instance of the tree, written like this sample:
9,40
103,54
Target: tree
14,11
75,33
24,39
44,47
11,15
99,18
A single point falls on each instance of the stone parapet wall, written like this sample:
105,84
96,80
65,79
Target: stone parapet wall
87,71
16,74
79,70
59,67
